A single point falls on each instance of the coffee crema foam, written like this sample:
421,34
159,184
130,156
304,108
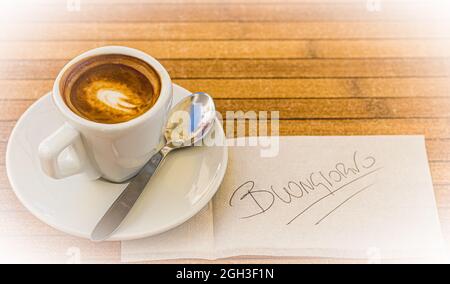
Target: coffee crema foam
110,88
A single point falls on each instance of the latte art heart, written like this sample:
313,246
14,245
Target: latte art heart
113,97
115,100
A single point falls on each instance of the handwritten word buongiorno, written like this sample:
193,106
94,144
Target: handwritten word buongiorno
326,182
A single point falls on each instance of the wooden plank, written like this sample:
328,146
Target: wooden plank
378,48
442,194
57,249
340,108
236,49
9,203
356,2
273,88
307,108
431,128
18,89
257,68
5,130
21,222
306,68
440,173
4,182
222,31
317,88
437,149
288,260
36,249
2,153
161,12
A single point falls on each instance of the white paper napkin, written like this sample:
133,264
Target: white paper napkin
365,197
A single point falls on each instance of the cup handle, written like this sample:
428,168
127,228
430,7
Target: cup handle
74,161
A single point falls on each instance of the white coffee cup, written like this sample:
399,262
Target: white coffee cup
115,152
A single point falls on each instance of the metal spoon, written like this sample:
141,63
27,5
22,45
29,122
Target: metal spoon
189,121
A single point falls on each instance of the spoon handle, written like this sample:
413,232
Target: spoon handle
112,219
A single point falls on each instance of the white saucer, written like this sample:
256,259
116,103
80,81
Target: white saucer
184,184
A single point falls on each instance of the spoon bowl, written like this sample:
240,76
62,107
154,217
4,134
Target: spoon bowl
190,120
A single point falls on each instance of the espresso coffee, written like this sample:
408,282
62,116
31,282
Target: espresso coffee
111,88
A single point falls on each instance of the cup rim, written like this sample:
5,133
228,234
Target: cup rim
165,92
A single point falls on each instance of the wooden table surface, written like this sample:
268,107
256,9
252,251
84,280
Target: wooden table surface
331,67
